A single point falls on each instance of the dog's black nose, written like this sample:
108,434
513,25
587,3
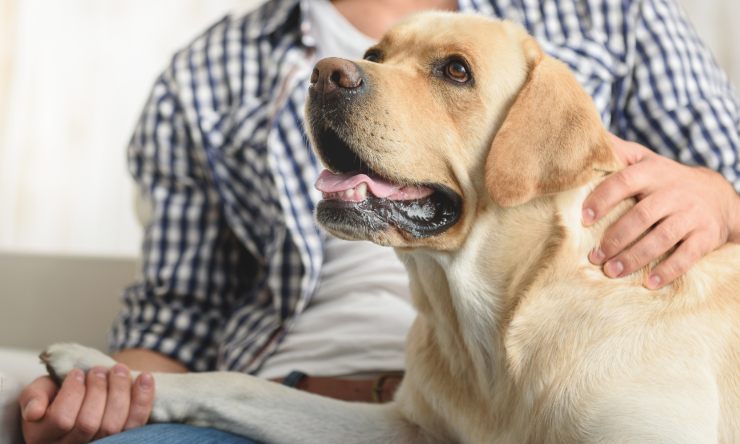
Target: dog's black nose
333,74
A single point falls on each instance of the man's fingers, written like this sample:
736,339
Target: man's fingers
35,398
118,401
614,189
686,255
702,199
631,226
655,243
142,400
91,411
62,414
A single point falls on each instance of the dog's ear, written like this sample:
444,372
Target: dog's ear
552,138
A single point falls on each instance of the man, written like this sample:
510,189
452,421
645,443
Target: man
236,274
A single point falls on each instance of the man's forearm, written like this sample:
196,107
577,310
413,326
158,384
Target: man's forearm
150,361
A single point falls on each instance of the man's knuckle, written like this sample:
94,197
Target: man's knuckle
644,214
63,423
687,220
716,228
709,234
676,267
119,390
626,258
667,235
663,236
143,405
135,421
35,388
660,161
695,252
720,231
611,244
633,258
108,429
695,211
87,426
97,378
624,179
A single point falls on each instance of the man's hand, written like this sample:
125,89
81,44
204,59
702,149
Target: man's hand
89,407
691,208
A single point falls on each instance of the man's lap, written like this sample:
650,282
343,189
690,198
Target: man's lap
175,434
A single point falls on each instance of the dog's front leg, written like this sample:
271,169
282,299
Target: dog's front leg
272,413
252,407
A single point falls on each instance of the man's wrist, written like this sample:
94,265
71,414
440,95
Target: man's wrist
149,360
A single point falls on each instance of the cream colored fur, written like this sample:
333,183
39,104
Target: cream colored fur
519,339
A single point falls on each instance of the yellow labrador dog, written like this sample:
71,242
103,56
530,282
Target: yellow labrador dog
461,144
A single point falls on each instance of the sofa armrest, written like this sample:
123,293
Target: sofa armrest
17,369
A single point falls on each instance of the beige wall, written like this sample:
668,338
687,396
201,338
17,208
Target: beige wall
46,299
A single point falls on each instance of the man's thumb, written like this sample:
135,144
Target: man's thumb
629,153
34,409
35,398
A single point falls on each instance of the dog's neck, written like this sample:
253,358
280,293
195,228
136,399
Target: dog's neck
467,298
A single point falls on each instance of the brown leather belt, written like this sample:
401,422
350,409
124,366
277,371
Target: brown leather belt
379,389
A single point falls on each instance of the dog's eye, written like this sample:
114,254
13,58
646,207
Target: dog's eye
457,71
372,56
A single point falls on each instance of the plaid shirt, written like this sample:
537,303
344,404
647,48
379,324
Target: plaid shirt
233,254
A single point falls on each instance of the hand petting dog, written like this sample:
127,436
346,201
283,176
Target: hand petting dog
692,209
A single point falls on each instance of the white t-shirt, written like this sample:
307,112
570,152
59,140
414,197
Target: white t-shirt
359,316
335,36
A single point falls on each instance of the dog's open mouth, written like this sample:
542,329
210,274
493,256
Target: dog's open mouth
357,198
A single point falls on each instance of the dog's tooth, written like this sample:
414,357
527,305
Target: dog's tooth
349,193
362,190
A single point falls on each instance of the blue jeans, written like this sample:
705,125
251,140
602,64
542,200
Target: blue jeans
175,434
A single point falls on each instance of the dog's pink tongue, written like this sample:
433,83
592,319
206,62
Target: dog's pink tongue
347,187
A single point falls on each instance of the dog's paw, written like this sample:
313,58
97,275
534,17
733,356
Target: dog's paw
60,359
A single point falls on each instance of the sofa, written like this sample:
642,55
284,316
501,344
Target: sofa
46,299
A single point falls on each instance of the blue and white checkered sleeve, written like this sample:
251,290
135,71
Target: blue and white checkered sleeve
193,265
681,104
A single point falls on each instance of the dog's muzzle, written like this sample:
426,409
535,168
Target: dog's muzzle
358,200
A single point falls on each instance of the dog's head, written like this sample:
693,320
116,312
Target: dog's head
446,116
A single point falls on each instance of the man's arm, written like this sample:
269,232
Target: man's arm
149,361
195,271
